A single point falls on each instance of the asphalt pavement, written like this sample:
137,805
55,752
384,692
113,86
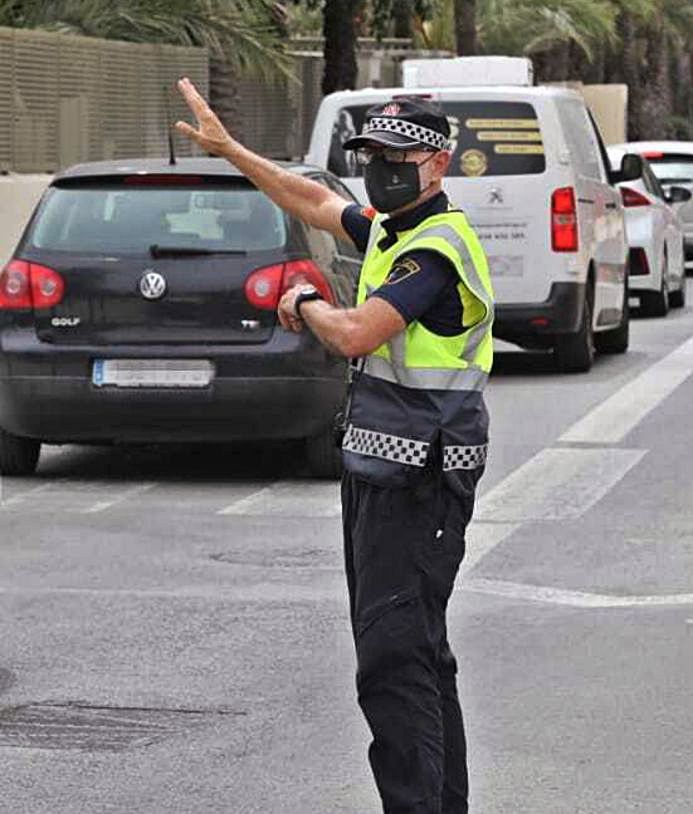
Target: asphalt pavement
174,635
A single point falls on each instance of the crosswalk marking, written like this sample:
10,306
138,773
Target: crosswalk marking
75,496
556,484
612,420
289,499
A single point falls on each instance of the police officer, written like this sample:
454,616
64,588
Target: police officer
416,430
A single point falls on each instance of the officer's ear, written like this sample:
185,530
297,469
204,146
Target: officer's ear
441,162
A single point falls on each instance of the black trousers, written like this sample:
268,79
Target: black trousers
403,548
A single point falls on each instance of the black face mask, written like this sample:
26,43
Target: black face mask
391,186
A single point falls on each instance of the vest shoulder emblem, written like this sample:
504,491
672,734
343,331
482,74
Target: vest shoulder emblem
403,268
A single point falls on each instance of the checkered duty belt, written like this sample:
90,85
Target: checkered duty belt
461,457
411,451
390,447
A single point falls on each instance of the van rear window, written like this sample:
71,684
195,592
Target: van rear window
489,138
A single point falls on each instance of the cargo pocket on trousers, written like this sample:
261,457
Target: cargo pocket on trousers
388,635
375,612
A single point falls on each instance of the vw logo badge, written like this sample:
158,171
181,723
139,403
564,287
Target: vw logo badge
152,285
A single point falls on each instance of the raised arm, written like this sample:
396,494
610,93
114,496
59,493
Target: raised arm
305,199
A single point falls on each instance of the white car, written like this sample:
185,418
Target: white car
672,163
530,171
655,236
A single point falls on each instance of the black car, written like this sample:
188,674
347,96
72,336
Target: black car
140,306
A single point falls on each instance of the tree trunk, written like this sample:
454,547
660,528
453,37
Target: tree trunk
465,27
340,46
224,98
402,15
656,107
630,73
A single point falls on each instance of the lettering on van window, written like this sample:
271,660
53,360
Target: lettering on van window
509,135
519,149
502,124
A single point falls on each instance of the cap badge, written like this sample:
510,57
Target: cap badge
392,109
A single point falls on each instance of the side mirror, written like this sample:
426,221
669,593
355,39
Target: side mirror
678,195
631,167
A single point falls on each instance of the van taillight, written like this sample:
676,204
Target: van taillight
564,226
632,197
29,285
266,286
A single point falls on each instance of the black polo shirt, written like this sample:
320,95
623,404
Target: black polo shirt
421,284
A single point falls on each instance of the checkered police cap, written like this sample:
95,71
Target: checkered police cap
407,122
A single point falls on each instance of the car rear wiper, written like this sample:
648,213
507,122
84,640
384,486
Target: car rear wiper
189,251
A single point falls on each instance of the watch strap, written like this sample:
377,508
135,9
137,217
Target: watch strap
305,296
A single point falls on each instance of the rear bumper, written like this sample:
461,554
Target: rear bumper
288,388
536,324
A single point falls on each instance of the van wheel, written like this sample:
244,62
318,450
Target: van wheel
574,353
656,303
18,456
616,340
323,457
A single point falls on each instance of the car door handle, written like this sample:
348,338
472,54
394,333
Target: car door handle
611,205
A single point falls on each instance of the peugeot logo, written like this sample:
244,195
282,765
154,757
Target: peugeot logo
495,196
152,285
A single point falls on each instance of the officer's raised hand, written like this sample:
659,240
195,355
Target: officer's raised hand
210,133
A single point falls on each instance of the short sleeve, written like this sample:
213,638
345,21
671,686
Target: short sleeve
357,221
416,282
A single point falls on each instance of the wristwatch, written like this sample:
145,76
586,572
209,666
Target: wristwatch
306,294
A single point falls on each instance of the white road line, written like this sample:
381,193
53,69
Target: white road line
102,505
335,590
614,418
573,599
289,499
250,501
556,484
26,495
482,538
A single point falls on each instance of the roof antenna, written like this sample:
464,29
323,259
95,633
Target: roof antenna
169,123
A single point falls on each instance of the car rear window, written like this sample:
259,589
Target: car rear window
671,168
489,139
130,218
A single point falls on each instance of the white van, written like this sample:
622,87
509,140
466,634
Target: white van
530,171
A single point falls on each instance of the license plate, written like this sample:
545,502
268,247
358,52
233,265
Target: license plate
179,373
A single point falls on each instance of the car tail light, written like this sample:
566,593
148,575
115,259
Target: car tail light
631,197
266,286
564,226
29,285
638,262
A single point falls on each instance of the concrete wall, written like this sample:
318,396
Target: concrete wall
19,195
609,106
